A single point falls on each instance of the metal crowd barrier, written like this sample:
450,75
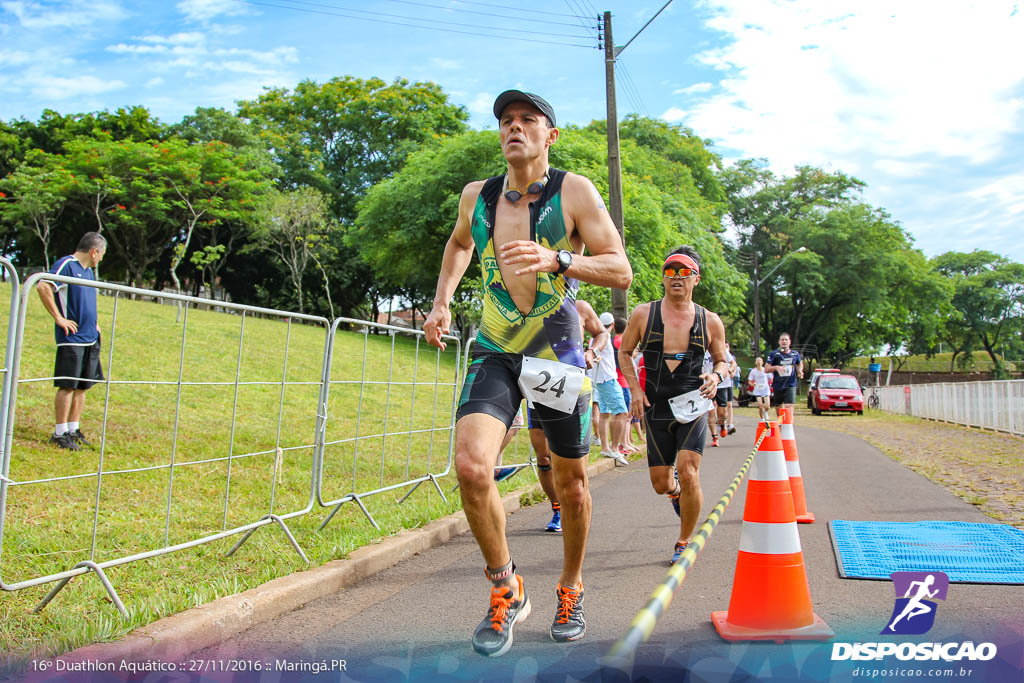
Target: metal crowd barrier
997,405
278,458
366,458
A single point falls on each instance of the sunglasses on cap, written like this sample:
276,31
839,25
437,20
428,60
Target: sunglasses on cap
679,272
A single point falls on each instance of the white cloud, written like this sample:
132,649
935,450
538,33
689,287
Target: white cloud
695,88
1006,192
13,57
812,82
204,10
63,88
482,104
674,115
154,82
446,63
75,14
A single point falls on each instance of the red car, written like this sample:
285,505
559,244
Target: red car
837,392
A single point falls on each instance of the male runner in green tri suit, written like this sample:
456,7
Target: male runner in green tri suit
529,228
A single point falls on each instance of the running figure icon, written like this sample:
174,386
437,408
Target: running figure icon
915,607
916,593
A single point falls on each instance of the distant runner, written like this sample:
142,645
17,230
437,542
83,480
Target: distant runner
529,227
673,334
787,366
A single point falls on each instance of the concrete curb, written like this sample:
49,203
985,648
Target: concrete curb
173,638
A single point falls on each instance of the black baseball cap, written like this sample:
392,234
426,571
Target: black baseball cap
509,96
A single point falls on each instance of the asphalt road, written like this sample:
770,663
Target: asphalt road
414,621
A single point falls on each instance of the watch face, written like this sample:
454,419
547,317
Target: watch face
564,259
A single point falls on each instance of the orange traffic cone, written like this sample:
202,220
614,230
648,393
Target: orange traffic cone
796,480
770,596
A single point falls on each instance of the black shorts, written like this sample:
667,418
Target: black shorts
666,436
82,362
492,388
783,396
723,397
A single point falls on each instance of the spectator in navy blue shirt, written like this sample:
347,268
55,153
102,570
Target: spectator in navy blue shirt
787,366
77,331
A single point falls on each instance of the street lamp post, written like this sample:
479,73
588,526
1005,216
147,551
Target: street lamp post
756,343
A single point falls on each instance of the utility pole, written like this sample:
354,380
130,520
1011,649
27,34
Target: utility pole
619,303
611,53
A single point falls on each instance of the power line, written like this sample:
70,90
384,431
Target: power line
431,28
518,9
642,108
581,19
432,21
491,14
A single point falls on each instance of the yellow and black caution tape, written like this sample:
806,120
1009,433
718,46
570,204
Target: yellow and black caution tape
621,654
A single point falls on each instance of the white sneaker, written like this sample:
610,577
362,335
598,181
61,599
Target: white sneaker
609,454
621,461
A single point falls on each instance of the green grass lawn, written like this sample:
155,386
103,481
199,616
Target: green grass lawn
380,384
979,362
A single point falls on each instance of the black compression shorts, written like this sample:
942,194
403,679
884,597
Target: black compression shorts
723,397
783,396
666,436
492,388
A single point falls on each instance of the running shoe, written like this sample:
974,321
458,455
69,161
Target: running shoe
609,454
732,429
723,431
79,438
504,473
675,502
678,552
714,441
493,637
555,525
66,441
569,623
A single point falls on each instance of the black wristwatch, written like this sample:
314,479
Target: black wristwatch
720,378
564,260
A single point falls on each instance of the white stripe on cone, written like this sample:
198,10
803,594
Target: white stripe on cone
793,467
769,466
769,538
787,433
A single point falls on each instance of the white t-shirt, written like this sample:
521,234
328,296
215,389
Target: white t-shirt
760,378
709,365
606,364
727,381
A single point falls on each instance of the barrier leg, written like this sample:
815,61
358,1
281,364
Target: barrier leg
362,507
287,532
103,579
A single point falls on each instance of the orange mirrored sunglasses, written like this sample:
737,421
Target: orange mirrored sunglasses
681,272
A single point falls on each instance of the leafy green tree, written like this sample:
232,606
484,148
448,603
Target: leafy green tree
35,196
292,226
988,294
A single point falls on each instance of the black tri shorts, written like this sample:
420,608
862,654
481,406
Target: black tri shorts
784,396
723,397
492,388
77,367
666,436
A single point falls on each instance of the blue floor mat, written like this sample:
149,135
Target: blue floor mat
967,552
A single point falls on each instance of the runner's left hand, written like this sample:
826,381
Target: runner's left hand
532,256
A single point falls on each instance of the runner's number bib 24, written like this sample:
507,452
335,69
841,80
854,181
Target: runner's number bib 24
689,406
548,382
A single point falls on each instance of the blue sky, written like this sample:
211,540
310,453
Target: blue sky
924,101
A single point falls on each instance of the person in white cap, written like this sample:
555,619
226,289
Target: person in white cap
610,399
530,227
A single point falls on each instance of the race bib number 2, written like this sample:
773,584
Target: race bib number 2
550,383
689,406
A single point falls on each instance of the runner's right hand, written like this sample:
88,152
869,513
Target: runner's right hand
638,403
437,323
